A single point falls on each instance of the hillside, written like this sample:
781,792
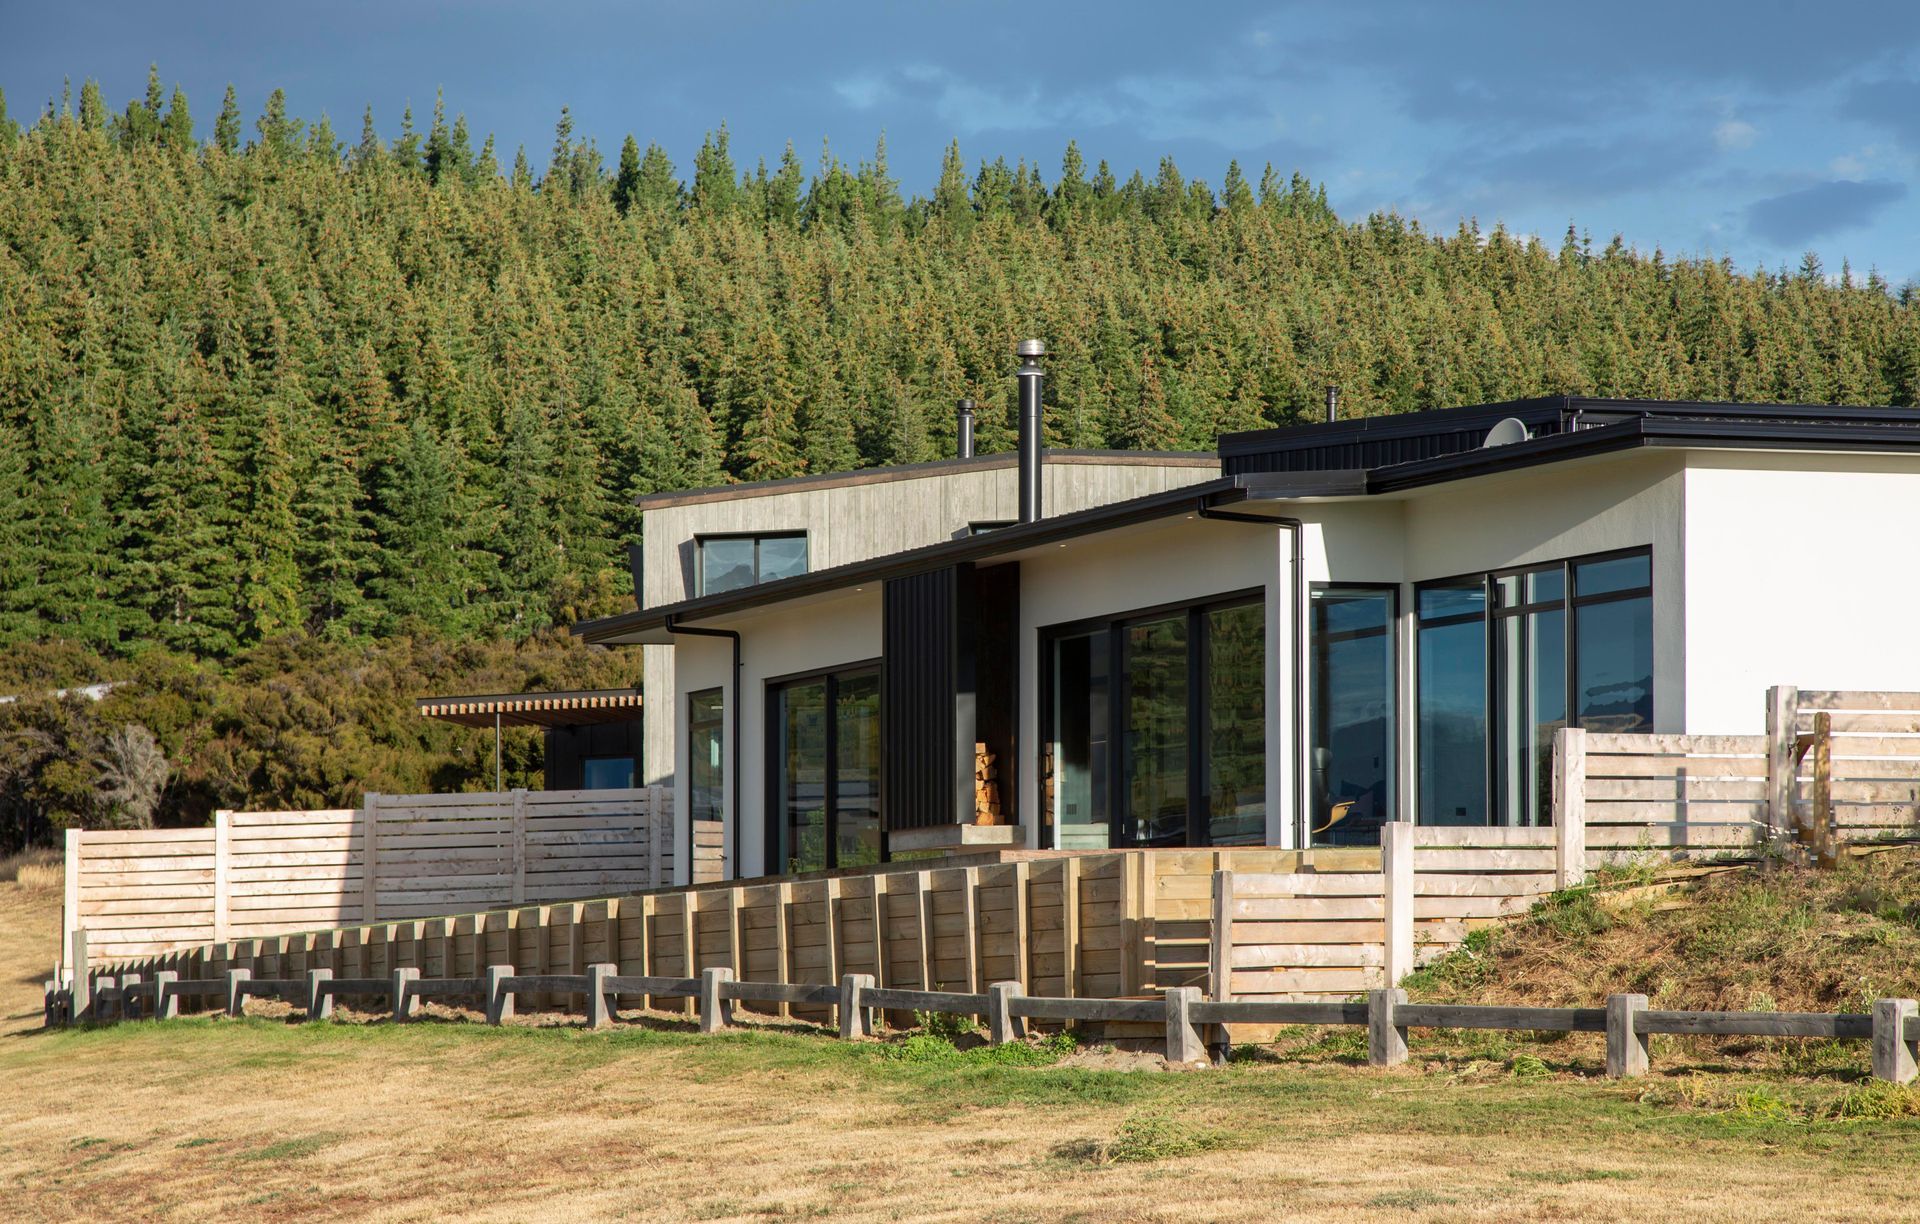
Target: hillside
283,382
1773,938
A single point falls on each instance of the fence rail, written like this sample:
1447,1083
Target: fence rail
1893,1026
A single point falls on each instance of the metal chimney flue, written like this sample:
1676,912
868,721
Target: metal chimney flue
1333,402
965,413
1029,375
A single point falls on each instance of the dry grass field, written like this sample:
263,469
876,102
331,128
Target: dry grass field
265,1119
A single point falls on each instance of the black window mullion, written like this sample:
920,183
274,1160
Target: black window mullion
1198,732
830,778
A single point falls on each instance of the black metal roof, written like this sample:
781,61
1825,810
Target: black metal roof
1373,443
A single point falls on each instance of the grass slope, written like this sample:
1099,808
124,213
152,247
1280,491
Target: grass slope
263,1119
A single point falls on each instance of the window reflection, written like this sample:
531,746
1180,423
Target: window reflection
1353,715
1452,701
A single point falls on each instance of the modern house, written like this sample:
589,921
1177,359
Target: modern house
1325,628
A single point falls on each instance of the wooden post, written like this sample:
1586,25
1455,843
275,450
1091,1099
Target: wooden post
737,935
222,874
1220,938
599,1014
319,999
856,1019
877,898
1386,1040
1783,711
406,1000
923,920
1823,849
1022,969
1569,807
70,902
82,977
1396,891
369,858
1184,1046
782,959
689,934
970,928
647,906
499,998
1894,1052
1626,1044
716,1012
129,1000
1002,1025
836,956
166,999
519,845
1070,926
236,1001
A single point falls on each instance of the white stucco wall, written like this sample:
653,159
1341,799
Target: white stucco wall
1798,572
818,635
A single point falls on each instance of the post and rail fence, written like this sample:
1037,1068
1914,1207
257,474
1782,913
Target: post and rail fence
1184,1014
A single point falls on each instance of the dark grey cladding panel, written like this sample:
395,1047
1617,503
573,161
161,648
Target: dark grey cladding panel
921,698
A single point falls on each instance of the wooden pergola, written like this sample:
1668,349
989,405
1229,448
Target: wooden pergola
578,708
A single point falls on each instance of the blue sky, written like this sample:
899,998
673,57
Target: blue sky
1756,130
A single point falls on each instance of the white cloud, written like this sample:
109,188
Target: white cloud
1734,134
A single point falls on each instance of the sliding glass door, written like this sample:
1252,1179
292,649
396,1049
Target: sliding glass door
1352,759
1156,729
825,779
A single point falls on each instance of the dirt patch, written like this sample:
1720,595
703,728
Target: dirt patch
1114,1058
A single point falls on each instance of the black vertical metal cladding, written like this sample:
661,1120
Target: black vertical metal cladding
965,413
1030,352
920,635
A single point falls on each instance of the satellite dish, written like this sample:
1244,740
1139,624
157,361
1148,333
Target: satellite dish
1507,432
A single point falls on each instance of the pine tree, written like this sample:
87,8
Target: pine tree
951,203
226,128
279,135
177,133
715,181
93,107
626,184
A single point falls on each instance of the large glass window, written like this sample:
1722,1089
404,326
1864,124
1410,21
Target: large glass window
1451,694
1565,644
706,759
727,563
1352,779
1076,771
1156,730
826,772
606,773
1234,749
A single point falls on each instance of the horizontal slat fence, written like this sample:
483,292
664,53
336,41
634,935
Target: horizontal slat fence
138,893
1875,760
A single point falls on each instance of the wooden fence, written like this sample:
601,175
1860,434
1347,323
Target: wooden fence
1848,764
1184,1014
142,892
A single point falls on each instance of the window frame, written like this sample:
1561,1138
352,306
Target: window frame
1396,801
1492,615
776,822
1198,830
719,693
700,541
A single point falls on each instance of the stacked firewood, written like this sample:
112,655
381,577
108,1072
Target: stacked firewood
986,787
